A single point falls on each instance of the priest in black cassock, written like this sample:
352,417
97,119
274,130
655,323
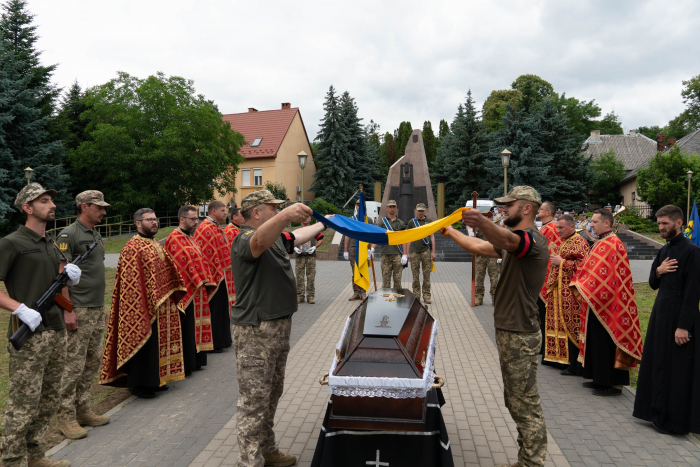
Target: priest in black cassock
668,389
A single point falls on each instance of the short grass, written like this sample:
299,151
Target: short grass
645,298
115,245
655,236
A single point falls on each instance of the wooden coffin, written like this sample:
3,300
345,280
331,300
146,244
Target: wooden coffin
388,336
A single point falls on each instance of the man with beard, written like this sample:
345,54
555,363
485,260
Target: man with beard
195,317
423,255
143,350
563,309
216,250
86,323
29,263
516,318
610,337
549,230
668,389
234,227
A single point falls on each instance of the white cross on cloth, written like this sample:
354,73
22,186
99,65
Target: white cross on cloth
376,462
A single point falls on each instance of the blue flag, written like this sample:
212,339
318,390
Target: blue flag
695,219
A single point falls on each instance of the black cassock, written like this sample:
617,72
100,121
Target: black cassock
668,389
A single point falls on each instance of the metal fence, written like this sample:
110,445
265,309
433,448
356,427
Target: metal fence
114,225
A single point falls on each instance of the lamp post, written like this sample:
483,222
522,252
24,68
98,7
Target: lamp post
634,197
302,163
690,175
28,174
505,161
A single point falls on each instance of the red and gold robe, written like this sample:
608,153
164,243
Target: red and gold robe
549,230
216,251
231,232
188,259
604,282
563,308
143,292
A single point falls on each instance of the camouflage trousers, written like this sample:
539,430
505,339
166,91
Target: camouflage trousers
356,289
261,353
423,260
486,264
34,393
305,265
83,360
391,268
517,353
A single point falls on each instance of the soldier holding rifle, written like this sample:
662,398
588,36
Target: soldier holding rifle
29,263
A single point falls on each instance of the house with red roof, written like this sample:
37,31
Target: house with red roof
275,138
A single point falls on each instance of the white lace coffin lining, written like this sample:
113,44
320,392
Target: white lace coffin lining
395,388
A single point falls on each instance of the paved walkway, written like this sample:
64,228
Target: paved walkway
194,422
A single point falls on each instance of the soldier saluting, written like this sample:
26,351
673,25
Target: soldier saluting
29,263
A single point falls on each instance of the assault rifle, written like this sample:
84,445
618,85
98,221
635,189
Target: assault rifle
52,294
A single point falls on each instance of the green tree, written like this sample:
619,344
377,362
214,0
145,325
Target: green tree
610,124
374,146
357,150
444,129
691,98
494,107
664,181
401,137
429,142
533,90
153,142
388,151
277,189
651,131
608,171
580,114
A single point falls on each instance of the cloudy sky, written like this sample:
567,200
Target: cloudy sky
401,60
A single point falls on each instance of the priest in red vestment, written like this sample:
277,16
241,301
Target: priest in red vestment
216,251
563,309
549,229
234,227
610,341
194,305
143,350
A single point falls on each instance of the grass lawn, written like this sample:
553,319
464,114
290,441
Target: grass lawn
655,236
645,297
115,245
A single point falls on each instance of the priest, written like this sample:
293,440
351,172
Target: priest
216,251
195,317
143,350
610,337
234,227
546,214
563,310
668,389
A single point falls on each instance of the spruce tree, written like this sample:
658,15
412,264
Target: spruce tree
429,141
359,159
401,137
374,144
334,177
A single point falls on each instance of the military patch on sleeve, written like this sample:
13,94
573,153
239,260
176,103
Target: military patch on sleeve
63,246
250,232
64,234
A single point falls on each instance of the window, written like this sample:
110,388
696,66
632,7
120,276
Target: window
256,142
246,177
257,174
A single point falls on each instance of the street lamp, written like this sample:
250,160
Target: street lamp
690,175
505,161
302,163
28,174
634,197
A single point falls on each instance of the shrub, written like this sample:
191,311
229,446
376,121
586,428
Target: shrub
324,207
639,224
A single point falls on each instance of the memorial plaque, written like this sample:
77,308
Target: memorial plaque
385,313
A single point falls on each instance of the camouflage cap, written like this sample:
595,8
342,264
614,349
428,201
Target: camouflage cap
391,203
31,192
523,192
420,207
91,197
257,198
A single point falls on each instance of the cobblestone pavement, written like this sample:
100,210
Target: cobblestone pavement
194,424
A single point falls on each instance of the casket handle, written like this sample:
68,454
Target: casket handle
323,380
440,382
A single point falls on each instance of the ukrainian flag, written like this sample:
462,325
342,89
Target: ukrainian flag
361,268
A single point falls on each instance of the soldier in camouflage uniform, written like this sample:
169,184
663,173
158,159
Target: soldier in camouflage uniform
485,264
422,254
358,293
262,319
86,323
29,263
305,265
394,257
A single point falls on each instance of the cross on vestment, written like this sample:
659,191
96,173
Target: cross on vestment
376,462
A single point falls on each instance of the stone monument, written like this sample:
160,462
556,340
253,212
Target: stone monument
408,182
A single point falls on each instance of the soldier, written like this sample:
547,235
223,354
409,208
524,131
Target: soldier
86,324
358,293
29,263
394,257
306,265
423,255
485,264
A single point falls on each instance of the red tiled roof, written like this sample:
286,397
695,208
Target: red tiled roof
270,125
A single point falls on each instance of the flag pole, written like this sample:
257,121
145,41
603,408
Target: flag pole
474,196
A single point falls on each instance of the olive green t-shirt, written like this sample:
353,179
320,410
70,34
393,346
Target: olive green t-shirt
73,241
522,275
419,246
396,224
28,266
265,286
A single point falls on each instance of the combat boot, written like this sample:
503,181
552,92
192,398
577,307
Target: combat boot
300,299
71,429
91,419
279,459
46,462
354,297
478,301
427,300
311,300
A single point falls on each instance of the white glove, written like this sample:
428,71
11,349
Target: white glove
346,256
404,259
32,318
73,273
371,251
499,260
311,250
297,250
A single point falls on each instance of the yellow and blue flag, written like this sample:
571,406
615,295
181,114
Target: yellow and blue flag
361,267
694,225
